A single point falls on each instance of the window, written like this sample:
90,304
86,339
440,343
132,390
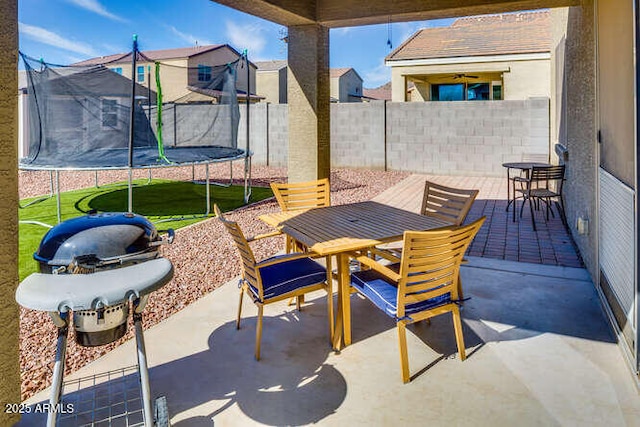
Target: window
110,113
140,74
204,73
117,70
478,92
497,92
447,92
457,92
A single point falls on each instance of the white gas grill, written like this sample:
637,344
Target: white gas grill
99,268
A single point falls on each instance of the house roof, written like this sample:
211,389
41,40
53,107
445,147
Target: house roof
272,65
338,72
381,92
507,33
156,55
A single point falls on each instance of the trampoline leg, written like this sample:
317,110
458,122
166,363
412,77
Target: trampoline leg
130,194
247,179
51,183
150,177
58,196
96,179
208,209
231,172
193,172
58,369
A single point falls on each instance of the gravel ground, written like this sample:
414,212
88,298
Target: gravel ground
202,254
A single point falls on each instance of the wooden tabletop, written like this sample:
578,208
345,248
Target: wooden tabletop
354,226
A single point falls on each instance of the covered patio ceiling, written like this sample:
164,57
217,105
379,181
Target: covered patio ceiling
343,13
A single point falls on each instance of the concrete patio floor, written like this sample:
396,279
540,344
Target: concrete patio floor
540,352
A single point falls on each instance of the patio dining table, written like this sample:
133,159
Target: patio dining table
343,229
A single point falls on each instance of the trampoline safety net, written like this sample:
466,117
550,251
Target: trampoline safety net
79,117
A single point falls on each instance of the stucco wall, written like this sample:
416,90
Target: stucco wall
527,79
9,315
268,86
574,118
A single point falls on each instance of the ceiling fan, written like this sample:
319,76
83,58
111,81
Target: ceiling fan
464,76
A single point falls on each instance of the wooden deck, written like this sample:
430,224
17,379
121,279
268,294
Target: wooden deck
500,237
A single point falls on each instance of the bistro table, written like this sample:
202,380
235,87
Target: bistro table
522,166
342,229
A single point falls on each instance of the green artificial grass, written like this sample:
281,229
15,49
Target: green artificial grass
158,200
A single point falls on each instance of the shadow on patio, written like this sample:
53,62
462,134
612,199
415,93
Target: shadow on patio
530,363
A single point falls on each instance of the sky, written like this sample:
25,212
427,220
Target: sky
68,31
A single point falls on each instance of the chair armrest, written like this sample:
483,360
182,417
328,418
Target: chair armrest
264,235
281,259
387,254
374,265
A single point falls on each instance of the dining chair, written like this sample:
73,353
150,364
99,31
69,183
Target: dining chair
301,195
544,184
298,196
423,285
449,204
276,278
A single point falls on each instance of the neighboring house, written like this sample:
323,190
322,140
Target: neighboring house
73,102
346,85
490,57
271,80
184,71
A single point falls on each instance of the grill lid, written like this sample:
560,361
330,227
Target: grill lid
101,235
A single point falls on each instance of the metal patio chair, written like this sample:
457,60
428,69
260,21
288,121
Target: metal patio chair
544,184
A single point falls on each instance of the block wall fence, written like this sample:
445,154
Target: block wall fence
443,138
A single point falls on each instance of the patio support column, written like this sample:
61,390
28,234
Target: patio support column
9,313
308,98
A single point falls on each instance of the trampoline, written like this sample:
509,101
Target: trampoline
91,117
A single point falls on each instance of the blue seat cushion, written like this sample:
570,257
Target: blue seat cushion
384,294
279,279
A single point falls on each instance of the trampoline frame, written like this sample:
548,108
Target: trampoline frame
55,176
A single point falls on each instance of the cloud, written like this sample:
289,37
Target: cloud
342,31
248,37
52,39
95,7
189,38
377,76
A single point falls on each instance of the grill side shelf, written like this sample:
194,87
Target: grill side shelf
62,292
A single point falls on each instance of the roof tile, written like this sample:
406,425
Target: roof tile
508,33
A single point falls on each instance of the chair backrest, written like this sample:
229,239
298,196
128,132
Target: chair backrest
447,203
302,195
549,175
430,263
535,157
249,271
